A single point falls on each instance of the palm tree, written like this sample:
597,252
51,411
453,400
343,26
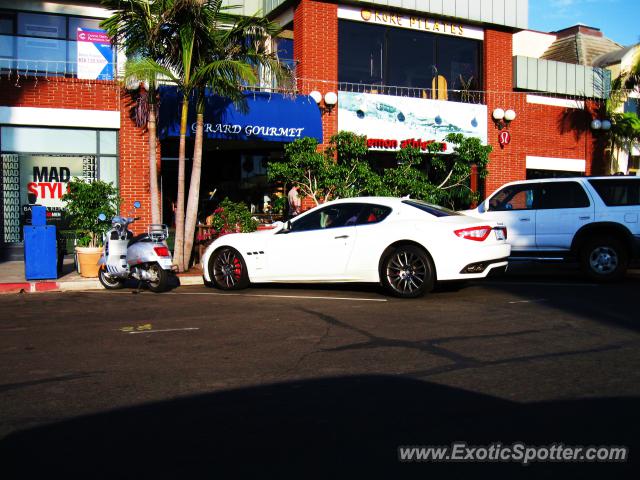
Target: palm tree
221,51
625,127
133,26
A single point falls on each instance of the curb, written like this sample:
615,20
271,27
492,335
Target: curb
28,287
76,286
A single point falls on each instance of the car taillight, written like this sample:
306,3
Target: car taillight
162,251
477,234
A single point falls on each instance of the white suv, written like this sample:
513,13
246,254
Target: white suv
595,220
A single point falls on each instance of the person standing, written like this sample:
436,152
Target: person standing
295,204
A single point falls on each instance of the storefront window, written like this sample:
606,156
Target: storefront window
37,164
41,43
419,62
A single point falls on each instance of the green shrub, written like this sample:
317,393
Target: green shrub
84,202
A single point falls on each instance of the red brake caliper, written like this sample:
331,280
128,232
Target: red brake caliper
237,268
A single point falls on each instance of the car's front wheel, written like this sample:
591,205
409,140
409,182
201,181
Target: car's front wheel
407,272
228,270
604,259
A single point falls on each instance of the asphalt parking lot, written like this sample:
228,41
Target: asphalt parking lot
291,375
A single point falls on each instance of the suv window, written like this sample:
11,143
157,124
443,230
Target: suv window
618,192
514,197
562,195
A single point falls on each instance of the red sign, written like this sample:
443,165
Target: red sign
411,142
504,138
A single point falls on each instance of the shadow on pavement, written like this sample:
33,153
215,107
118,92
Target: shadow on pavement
348,427
564,288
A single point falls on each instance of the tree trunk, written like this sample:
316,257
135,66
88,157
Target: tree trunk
194,189
178,249
153,166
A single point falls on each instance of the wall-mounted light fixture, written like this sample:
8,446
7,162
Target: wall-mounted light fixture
502,118
597,124
330,100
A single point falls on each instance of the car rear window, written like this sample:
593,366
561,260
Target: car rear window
618,192
435,210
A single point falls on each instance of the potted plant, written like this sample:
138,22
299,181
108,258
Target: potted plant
85,201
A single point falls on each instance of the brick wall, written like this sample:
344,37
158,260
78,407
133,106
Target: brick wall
538,130
71,93
315,46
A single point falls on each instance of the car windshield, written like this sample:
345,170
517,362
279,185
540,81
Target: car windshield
435,210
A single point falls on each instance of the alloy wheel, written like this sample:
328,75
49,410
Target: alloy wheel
406,272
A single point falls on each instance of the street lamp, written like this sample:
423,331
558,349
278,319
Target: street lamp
502,118
330,100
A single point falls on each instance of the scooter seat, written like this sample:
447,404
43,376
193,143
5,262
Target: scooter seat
143,237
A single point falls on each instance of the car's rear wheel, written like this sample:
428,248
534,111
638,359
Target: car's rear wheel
228,269
407,272
604,259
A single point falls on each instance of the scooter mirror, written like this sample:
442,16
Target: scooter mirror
136,204
102,217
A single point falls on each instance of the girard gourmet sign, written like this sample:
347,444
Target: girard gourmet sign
413,22
250,130
269,117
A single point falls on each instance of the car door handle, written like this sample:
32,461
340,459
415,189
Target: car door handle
341,236
525,219
586,217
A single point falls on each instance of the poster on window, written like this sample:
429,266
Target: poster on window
95,54
44,179
392,122
10,198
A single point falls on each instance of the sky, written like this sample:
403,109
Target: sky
618,20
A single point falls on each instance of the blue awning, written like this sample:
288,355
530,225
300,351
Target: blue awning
269,117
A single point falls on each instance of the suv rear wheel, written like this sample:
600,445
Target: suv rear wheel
604,259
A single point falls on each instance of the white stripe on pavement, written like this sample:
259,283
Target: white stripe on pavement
163,330
360,299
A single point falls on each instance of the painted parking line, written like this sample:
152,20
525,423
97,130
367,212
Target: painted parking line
535,300
297,297
162,330
540,284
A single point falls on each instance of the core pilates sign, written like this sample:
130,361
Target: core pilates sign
412,22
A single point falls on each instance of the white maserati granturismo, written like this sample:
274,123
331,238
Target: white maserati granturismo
406,245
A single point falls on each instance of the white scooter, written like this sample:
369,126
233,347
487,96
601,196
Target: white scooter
143,257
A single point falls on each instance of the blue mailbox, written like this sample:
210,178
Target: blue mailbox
40,248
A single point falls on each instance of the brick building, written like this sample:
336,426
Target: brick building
405,70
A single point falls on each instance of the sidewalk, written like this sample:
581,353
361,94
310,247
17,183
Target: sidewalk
12,279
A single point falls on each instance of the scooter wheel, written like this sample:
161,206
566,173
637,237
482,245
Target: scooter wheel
160,282
108,281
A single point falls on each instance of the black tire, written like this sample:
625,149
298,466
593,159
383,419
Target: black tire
160,283
228,270
109,282
604,259
407,272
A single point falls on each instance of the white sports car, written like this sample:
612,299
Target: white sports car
407,245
